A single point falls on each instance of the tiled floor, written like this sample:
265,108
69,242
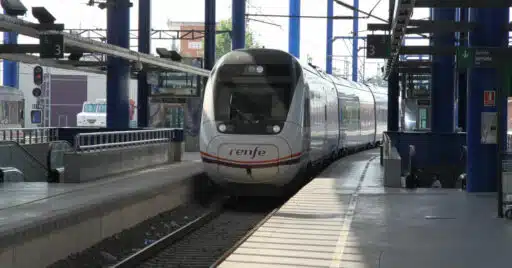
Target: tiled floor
344,218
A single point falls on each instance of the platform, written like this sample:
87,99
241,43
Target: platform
41,223
345,218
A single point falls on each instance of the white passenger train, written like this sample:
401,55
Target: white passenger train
267,118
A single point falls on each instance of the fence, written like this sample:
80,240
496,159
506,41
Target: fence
94,141
29,135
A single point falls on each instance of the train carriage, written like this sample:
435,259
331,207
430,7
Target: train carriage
268,117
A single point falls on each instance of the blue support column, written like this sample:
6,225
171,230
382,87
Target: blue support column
238,24
393,104
294,29
209,36
118,70
328,57
462,80
10,72
144,47
443,93
482,158
355,41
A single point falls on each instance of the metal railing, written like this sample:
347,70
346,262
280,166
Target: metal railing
85,142
29,135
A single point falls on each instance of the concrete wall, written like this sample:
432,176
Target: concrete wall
33,168
89,166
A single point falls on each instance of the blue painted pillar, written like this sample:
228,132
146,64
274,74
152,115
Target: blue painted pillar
209,35
462,77
482,159
294,29
355,41
443,93
238,24
118,70
10,73
393,104
144,47
328,57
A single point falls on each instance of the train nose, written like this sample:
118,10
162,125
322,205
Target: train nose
251,162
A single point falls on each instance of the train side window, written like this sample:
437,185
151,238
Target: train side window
307,113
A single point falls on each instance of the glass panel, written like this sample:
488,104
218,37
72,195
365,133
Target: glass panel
102,108
90,108
423,118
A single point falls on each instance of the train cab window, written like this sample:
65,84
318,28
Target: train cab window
251,102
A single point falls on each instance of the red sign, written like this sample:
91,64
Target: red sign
489,98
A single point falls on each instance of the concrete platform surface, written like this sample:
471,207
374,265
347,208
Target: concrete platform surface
345,218
31,210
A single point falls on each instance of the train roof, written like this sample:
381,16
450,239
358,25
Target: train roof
257,56
267,55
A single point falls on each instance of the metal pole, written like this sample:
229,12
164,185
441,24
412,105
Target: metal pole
329,41
209,35
238,24
355,41
118,70
144,47
294,29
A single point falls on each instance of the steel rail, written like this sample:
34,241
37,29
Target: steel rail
230,251
150,251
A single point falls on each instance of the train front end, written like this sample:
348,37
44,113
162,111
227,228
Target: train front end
250,139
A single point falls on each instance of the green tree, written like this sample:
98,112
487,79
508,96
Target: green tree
223,41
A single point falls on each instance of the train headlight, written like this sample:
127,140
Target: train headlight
222,127
276,129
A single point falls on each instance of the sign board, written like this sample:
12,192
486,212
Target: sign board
36,116
465,58
484,57
489,129
175,84
378,46
490,98
51,46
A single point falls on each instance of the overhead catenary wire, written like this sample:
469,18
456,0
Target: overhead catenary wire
300,16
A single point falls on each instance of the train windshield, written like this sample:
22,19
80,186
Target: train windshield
253,94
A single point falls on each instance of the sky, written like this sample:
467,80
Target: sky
76,14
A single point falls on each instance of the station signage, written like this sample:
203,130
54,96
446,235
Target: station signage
51,46
378,46
170,84
489,98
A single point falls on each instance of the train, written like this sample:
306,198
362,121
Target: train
268,119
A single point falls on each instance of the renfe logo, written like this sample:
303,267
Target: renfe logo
248,152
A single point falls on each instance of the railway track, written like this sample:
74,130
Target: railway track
209,239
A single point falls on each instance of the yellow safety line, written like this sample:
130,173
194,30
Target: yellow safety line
347,222
345,231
